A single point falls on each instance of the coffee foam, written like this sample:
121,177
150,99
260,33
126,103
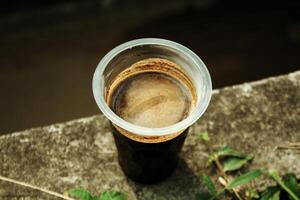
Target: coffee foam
152,93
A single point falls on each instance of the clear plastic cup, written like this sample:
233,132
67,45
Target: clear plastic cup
144,153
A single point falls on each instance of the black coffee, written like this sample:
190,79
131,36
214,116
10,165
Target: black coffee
150,94
148,163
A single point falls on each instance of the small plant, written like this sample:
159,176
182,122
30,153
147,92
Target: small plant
243,186
228,160
204,136
85,195
76,192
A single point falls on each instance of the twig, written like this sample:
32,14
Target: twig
35,188
294,144
289,147
294,147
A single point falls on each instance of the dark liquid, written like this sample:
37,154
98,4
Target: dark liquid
151,100
148,162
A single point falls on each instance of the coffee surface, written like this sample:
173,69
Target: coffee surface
152,100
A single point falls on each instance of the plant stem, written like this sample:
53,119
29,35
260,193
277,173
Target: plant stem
290,192
220,167
227,179
282,184
35,188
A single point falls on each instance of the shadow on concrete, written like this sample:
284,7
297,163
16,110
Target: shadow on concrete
183,184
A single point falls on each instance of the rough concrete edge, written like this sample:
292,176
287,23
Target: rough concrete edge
57,127
247,86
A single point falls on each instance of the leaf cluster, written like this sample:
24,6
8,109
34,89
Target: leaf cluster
287,186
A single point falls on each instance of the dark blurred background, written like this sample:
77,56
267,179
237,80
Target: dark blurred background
49,49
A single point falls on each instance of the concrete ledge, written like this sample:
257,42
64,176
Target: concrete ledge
252,117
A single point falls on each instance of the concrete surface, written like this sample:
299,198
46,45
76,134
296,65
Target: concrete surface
252,117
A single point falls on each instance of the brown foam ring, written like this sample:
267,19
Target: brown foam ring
150,65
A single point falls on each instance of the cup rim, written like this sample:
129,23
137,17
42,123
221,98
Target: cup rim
98,86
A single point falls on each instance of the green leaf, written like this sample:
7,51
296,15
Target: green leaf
290,181
80,193
210,185
271,193
234,163
112,196
245,178
227,151
204,136
252,193
275,175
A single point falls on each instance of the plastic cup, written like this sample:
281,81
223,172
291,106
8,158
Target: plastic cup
149,155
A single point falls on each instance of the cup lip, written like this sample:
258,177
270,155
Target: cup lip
98,86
